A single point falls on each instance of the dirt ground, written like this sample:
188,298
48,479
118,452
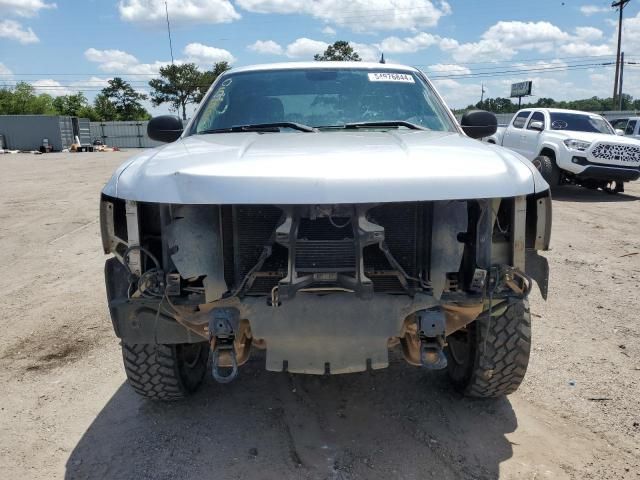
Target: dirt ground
66,411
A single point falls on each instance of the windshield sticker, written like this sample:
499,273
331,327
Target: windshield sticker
218,96
391,77
227,82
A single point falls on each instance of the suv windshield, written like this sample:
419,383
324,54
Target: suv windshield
321,98
580,123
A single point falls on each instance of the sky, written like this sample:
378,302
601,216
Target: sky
565,47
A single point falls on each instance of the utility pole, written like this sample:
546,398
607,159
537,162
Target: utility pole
482,94
166,10
619,4
621,77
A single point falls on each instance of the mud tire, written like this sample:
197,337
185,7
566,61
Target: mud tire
165,372
505,340
548,169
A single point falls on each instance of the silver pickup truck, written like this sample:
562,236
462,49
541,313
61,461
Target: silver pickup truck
326,213
569,146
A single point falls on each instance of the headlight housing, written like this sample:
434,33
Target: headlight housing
579,145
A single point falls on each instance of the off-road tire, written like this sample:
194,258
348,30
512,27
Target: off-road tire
548,169
490,359
165,372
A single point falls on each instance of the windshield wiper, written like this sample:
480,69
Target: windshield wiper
379,124
262,127
384,123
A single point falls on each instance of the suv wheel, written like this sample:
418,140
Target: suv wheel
548,169
490,358
165,372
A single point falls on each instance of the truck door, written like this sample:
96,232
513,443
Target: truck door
512,138
531,136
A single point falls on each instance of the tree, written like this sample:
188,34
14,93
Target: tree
210,76
340,51
119,101
104,108
22,100
71,105
179,85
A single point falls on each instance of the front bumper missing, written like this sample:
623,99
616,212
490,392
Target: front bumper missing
310,333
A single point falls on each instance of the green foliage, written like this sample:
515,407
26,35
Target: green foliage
180,85
210,76
22,100
593,104
70,104
119,101
340,51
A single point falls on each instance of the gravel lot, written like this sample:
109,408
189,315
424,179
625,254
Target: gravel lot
66,411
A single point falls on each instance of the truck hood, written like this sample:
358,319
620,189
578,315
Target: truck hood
321,168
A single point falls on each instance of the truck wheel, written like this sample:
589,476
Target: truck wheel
490,358
165,372
548,169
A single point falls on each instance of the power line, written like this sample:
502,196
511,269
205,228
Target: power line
433,77
497,65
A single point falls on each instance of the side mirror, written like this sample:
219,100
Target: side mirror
536,125
165,128
479,123
619,132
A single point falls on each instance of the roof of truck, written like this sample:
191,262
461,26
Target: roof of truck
560,110
323,65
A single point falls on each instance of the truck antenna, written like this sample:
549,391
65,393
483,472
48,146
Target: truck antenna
166,10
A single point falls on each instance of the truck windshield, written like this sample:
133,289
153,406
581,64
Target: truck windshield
329,98
577,122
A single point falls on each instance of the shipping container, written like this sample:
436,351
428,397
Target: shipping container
29,132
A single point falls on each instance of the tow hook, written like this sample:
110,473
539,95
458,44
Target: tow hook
431,330
222,327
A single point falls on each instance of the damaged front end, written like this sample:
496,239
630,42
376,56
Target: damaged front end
323,288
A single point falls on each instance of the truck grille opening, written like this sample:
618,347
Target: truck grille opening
324,245
620,153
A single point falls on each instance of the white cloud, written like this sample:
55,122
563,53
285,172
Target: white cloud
526,35
592,9
329,30
110,56
92,82
24,8
583,49
15,31
368,53
266,47
305,47
448,69
457,94
589,33
180,11
359,15
484,50
51,87
5,71
504,40
120,62
408,44
56,89
631,34
206,56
